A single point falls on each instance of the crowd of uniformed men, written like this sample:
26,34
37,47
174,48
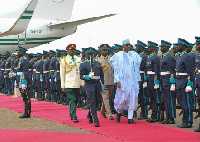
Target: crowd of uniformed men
168,82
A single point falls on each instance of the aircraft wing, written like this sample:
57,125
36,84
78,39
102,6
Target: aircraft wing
22,22
78,22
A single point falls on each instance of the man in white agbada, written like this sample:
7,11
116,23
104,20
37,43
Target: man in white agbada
126,65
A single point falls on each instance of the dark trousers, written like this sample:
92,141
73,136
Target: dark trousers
53,88
72,94
186,107
154,97
40,92
92,97
8,81
169,103
27,102
142,99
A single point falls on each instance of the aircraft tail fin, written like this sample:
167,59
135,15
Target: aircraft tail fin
23,21
78,22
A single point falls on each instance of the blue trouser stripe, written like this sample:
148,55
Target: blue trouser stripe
157,102
171,104
188,102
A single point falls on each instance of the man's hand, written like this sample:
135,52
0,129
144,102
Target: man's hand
118,84
63,90
139,83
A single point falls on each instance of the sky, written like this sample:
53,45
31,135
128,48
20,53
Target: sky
145,20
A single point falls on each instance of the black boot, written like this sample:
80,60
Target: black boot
90,120
198,129
118,115
24,116
75,120
130,121
96,124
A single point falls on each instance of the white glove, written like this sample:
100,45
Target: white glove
145,85
156,86
50,80
188,89
90,75
23,86
173,87
13,74
55,80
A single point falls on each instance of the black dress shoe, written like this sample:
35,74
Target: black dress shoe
152,120
39,99
96,124
24,116
164,122
198,129
75,120
142,117
184,126
118,115
90,120
130,121
171,121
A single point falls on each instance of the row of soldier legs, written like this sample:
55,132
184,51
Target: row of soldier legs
163,100
160,100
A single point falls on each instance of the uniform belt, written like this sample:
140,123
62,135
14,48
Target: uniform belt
20,73
7,69
96,77
37,72
15,68
30,69
51,70
2,69
164,73
179,73
34,69
141,71
150,72
45,71
57,71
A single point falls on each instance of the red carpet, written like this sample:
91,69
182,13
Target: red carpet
46,136
142,131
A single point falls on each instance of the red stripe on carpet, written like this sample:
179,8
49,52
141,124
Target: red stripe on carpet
142,131
7,135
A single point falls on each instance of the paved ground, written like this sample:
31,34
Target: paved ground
9,120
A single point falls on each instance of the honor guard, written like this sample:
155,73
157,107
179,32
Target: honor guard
197,82
31,85
117,48
58,82
3,82
104,59
39,77
167,79
15,64
143,84
52,69
184,82
23,72
65,100
8,69
1,89
153,75
189,51
91,71
34,73
70,78
46,81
